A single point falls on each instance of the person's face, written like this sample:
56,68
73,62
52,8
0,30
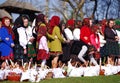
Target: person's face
25,22
91,22
63,26
46,19
111,24
7,22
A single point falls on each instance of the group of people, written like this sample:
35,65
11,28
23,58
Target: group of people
54,43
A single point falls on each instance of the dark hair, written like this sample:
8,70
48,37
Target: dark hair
111,19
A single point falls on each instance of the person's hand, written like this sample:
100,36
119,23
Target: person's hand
116,38
25,51
12,44
32,39
67,41
7,38
86,38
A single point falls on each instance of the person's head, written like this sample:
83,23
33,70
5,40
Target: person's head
6,21
25,19
95,28
71,24
55,21
86,22
78,24
111,23
40,18
104,22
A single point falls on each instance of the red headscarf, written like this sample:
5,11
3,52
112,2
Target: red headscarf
86,22
71,23
94,28
8,27
55,21
103,24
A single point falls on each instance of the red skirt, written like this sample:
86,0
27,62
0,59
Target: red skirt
7,57
42,54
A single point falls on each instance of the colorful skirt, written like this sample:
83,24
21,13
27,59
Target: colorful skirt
31,51
42,54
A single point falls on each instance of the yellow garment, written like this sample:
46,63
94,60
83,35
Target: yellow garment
55,40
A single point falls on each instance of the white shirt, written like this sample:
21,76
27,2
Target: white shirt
22,37
29,34
68,33
76,34
43,43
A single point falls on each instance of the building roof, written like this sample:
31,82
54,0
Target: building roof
18,7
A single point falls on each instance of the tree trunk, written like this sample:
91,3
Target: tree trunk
109,3
94,10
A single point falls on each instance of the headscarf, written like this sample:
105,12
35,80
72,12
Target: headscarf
70,24
24,17
86,22
95,28
8,27
40,18
55,21
18,22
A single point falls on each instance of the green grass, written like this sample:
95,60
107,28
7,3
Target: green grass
96,79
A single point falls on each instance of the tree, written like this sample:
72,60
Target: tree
76,6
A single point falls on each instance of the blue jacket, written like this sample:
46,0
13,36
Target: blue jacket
5,45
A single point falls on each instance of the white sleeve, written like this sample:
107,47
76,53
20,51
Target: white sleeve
76,34
68,34
43,43
22,37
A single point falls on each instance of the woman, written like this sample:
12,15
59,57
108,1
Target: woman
20,50
95,42
7,37
43,50
111,46
85,33
55,40
68,35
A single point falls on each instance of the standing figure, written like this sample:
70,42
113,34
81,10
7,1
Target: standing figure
6,40
42,47
111,46
55,40
21,40
84,44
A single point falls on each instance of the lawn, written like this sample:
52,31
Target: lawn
96,79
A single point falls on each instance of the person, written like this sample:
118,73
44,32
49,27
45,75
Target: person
55,40
85,33
95,42
68,35
20,50
7,37
111,46
43,50
31,53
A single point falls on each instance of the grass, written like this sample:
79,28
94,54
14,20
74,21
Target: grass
95,79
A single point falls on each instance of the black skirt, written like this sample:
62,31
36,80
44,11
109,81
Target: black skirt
77,46
111,48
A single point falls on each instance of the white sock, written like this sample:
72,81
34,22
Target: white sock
43,62
82,52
